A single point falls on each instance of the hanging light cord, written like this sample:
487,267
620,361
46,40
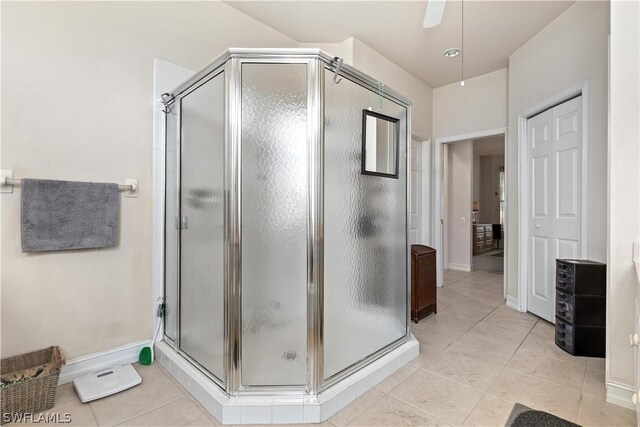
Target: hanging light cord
462,46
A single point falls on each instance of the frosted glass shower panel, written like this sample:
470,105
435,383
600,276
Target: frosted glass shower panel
202,226
274,224
365,232
170,221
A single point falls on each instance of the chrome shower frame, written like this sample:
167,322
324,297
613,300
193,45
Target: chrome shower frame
230,63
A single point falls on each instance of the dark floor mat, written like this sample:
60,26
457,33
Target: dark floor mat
523,416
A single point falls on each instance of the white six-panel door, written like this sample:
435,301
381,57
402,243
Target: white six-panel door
554,144
416,190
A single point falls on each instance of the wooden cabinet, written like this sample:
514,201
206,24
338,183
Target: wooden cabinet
423,282
482,238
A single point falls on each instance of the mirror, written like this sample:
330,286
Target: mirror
379,144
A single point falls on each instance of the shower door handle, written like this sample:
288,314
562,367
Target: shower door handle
184,225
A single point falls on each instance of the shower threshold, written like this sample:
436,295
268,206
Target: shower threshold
287,409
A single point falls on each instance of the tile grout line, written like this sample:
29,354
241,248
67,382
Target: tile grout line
501,368
150,410
173,380
485,392
92,412
451,379
418,408
581,392
556,359
359,413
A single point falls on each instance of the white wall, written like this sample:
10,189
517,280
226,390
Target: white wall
77,104
478,106
571,49
460,174
623,187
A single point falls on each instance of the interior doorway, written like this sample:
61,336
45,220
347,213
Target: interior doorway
456,190
420,179
473,204
416,191
489,181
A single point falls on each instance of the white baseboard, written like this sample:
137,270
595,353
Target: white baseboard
79,366
620,394
459,267
512,302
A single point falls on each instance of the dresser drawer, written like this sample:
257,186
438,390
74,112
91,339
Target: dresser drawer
581,277
565,310
564,341
583,310
565,283
580,340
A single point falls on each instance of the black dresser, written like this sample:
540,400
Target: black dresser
581,289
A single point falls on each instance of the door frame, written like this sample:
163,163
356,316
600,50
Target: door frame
580,89
437,225
424,235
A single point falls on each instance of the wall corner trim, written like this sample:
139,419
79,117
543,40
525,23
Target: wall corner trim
459,266
512,302
82,365
620,394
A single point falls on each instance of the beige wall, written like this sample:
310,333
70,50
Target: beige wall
623,187
571,49
460,188
77,104
364,58
377,66
478,106
343,49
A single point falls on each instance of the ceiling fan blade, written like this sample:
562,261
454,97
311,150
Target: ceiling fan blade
433,15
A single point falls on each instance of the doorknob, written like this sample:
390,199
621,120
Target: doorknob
537,225
183,223
634,340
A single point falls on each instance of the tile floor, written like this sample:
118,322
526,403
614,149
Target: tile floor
488,261
477,358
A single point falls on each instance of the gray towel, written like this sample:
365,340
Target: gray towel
59,215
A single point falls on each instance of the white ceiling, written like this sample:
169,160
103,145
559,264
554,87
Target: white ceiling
492,31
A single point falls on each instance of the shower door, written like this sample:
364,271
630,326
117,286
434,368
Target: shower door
365,233
201,225
274,224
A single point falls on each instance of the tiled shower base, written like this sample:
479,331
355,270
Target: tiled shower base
282,409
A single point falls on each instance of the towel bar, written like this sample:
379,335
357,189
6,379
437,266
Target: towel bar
10,181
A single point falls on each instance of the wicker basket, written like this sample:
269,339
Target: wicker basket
29,381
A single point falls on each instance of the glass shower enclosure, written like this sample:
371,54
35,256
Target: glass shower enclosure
286,257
